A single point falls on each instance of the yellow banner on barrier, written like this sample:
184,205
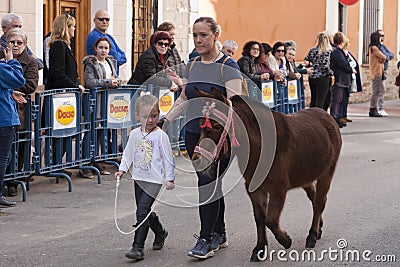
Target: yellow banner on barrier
166,100
64,116
268,95
118,108
292,90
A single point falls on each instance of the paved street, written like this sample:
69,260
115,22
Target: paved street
55,227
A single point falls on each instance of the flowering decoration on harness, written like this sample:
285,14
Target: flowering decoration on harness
207,112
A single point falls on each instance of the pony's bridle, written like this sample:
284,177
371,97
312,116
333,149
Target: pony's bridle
209,109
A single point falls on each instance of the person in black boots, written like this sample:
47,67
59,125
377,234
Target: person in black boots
376,66
342,72
148,152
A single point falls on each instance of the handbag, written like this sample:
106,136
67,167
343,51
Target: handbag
353,87
397,81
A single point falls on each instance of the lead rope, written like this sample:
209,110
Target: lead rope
115,209
205,202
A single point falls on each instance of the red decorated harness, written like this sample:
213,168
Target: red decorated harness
209,109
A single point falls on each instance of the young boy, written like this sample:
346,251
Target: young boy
147,154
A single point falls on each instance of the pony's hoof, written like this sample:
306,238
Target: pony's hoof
310,241
254,258
285,241
259,254
288,243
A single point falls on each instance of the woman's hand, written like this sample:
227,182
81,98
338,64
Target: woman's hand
114,82
175,79
265,76
81,88
298,75
8,54
19,97
174,87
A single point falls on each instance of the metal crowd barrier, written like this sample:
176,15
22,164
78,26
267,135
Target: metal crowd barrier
278,97
20,166
61,121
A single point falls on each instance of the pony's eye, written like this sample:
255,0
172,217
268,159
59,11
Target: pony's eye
217,127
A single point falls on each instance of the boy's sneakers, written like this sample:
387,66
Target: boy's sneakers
218,241
202,249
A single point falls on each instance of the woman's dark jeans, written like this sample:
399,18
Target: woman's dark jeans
344,104
7,135
319,88
211,214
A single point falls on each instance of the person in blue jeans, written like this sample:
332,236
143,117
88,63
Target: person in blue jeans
11,77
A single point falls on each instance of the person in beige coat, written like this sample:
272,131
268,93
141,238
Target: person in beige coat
376,61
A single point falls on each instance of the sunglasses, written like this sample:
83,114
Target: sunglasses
280,51
103,19
19,43
163,44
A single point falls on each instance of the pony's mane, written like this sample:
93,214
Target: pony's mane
245,100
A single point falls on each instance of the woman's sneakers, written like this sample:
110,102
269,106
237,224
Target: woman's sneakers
373,112
383,113
202,249
218,241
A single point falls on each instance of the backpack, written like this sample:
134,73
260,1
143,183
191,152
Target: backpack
245,91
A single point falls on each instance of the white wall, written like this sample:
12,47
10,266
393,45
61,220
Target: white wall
332,15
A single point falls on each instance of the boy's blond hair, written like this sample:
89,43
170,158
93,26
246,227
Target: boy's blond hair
146,101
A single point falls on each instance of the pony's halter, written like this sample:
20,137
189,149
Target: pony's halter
209,109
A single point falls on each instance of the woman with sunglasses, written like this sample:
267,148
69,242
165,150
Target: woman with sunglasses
152,65
17,39
277,62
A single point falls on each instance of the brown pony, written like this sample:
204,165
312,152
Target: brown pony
306,149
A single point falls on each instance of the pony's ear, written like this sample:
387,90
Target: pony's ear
201,93
217,95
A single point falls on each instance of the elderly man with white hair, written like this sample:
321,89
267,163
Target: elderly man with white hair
229,48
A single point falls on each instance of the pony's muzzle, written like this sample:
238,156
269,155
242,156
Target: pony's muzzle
200,163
